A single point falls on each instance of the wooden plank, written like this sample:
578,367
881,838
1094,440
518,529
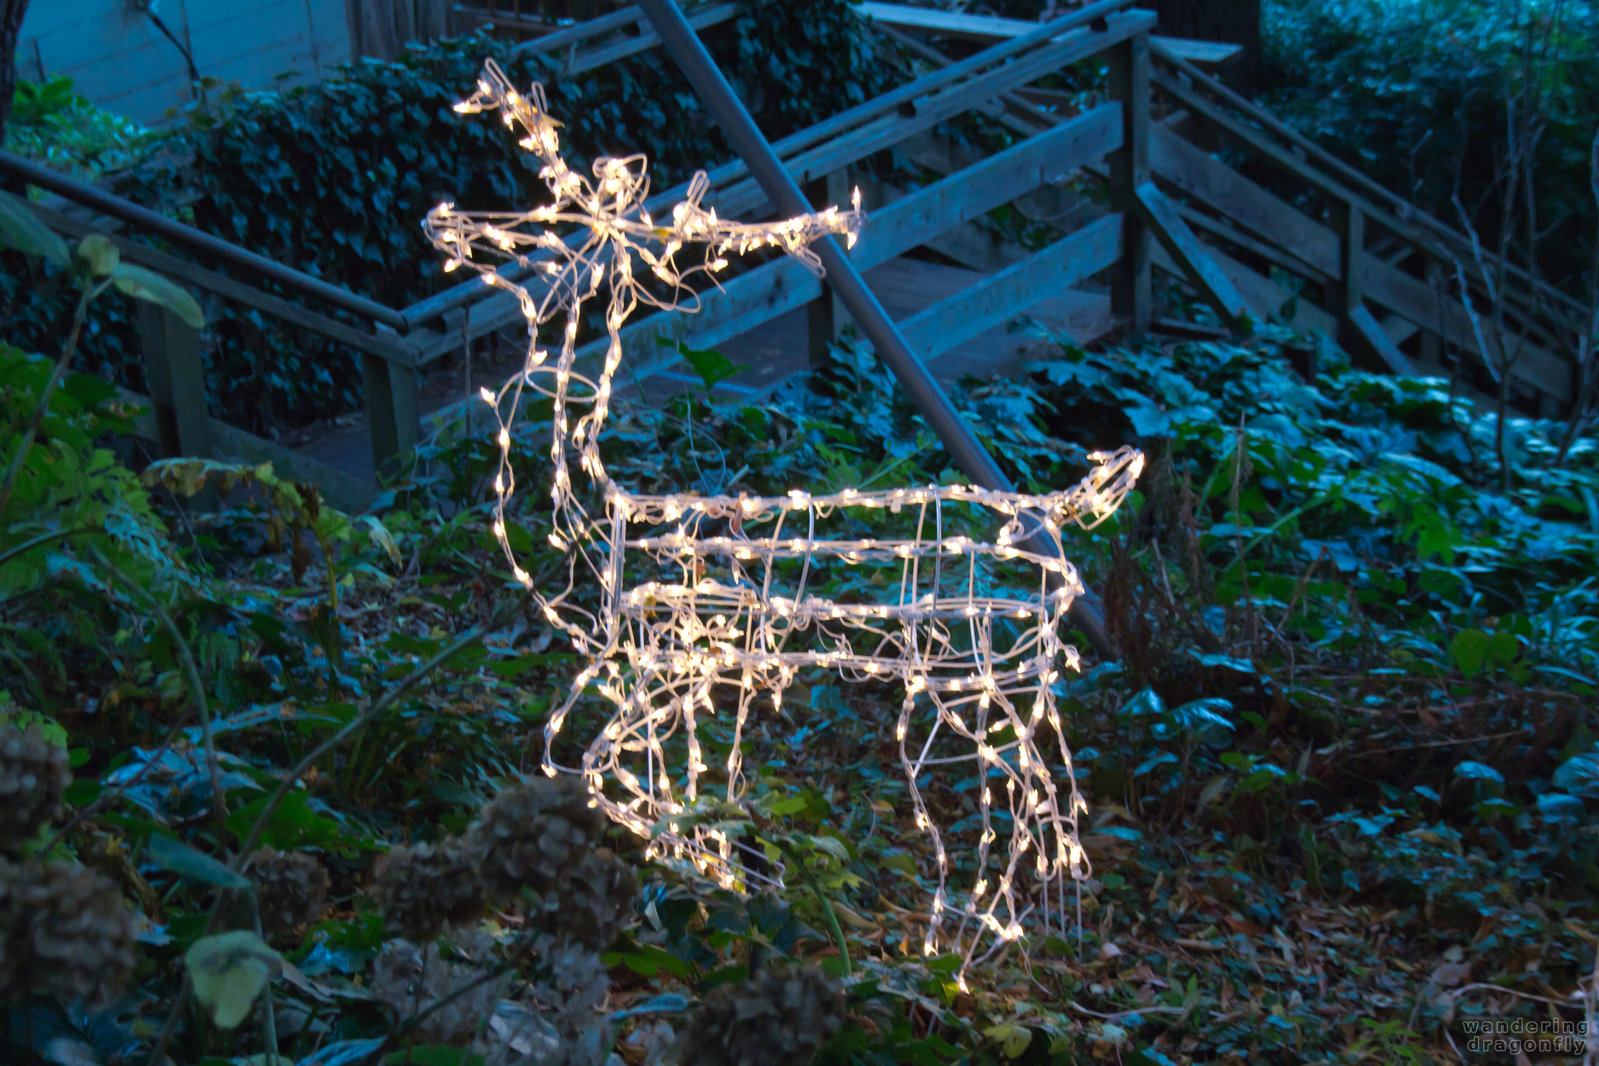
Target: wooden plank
1043,159
382,420
1046,157
1362,335
1186,330
1130,293
403,399
1200,53
1016,114
1001,297
229,443
1402,217
825,316
976,248
1343,294
991,27
1055,202
925,113
1232,196
1435,236
1163,220
953,23
1415,299
1400,329
1261,292
176,375
1272,253
610,53
572,36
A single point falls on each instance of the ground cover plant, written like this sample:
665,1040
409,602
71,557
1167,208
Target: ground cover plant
52,124
271,766
269,771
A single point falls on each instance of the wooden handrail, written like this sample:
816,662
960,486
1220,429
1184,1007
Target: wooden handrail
990,27
621,48
385,347
200,242
572,35
1401,215
439,304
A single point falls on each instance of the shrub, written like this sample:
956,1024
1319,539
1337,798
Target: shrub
334,178
1413,92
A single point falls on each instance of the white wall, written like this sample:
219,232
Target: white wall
117,58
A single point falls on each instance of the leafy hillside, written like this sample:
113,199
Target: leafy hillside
1341,781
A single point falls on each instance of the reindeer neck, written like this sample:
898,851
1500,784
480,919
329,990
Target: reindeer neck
576,428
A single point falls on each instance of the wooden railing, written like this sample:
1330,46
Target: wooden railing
394,346
1338,253
1373,265
1163,193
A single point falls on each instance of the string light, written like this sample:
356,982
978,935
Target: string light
970,631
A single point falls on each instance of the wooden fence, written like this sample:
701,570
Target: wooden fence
1164,192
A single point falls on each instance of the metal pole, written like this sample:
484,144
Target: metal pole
929,398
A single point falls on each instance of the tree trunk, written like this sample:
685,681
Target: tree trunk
11,12
1232,21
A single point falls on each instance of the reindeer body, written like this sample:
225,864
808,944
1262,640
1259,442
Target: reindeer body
724,607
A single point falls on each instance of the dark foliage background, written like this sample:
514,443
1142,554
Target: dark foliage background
1414,94
334,178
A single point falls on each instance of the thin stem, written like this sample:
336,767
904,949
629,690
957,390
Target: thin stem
43,538
366,718
70,346
269,1021
827,905
106,798
191,671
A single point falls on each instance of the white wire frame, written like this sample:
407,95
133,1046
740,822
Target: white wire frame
723,612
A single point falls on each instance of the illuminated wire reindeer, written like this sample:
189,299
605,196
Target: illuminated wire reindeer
969,627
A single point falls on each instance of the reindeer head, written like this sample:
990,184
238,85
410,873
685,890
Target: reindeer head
594,233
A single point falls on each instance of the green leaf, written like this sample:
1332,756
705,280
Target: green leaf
1205,714
1579,775
143,284
294,823
98,255
711,365
833,847
898,860
1013,1039
648,961
229,971
174,855
1146,702
383,538
1476,771
1469,650
21,229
